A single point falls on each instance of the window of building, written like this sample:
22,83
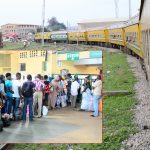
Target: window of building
22,67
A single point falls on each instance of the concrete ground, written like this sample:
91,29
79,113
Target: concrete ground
59,126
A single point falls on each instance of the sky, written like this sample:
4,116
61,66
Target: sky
71,11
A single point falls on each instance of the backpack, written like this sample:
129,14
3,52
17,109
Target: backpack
47,88
26,89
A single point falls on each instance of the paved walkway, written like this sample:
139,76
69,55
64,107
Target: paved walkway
59,126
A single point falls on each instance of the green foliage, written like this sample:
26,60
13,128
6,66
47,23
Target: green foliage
120,72
40,29
117,114
39,147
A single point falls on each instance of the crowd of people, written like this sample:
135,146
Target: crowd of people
61,91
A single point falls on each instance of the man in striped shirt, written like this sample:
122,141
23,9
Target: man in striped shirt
39,86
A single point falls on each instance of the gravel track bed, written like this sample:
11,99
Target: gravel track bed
141,140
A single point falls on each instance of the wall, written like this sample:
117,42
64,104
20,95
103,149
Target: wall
34,65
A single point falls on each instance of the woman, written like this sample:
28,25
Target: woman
56,90
86,95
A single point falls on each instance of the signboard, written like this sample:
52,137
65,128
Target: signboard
73,56
95,54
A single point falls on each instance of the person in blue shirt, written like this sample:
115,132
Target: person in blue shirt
9,92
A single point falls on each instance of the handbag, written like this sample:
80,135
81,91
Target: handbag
44,110
63,101
58,101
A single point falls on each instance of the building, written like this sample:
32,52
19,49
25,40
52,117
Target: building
21,30
35,61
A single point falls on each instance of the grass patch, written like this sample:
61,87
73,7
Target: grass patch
118,117
47,46
117,122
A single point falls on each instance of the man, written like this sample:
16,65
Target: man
47,89
9,92
3,90
27,92
97,86
3,81
39,86
68,85
17,93
25,43
55,92
74,92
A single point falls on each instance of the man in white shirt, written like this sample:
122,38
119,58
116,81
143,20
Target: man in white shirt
74,92
16,85
97,86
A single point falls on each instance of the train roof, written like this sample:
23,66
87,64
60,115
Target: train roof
133,20
98,28
118,25
98,23
77,31
59,32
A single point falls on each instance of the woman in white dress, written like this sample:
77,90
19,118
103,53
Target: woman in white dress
86,96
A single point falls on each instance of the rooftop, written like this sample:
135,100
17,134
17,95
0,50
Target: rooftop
18,24
99,23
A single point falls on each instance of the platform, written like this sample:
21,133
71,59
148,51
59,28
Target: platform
59,126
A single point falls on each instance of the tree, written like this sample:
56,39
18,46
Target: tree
54,25
40,29
32,31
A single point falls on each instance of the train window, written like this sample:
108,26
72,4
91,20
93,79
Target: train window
148,48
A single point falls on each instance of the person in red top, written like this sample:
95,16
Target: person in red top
46,89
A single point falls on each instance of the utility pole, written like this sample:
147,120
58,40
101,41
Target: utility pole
129,9
116,8
43,20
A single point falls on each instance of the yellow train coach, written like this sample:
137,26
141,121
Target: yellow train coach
47,36
97,36
116,36
133,39
77,37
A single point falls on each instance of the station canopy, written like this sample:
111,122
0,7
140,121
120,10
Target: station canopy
88,58
96,24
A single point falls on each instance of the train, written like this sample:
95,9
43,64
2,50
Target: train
133,36
144,21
